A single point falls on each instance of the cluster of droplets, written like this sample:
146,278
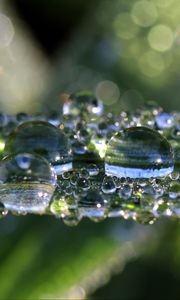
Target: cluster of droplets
85,163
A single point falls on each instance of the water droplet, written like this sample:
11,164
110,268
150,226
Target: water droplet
150,107
79,148
72,219
27,182
9,128
161,208
175,133
83,183
83,102
84,173
66,175
59,206
174,190
164,120
21,117
108,185
126,191
93,169
174,175
44,139
92,205
3,210
145,217
54,118
74,178
83,136
138,152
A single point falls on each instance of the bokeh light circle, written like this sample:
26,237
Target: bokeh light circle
108,92
124,26
144,13
151,63
160,37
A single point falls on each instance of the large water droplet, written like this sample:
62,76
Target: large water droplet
83,102
27,182
138,152
44,139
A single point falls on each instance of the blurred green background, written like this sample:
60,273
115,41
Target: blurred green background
128,52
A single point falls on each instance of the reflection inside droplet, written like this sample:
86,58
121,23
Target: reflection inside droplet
27,183
138,152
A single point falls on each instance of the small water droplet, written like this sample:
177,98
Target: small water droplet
66,175
164,120
126,191
83,102
92,205
175,133
138,152
93,169
72,219
83,184
21,117
59,206
79,148
174,176
145,217
174,190
74,178
84,173
108,185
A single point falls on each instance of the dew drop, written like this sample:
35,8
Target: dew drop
59,206
83,102
93,169
21,118
174,190
44,139
126,191
72,219
145,218
164,120
92,205
174,176
138,152
73,179
83,173
83,184
27,182
108,185
66,175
